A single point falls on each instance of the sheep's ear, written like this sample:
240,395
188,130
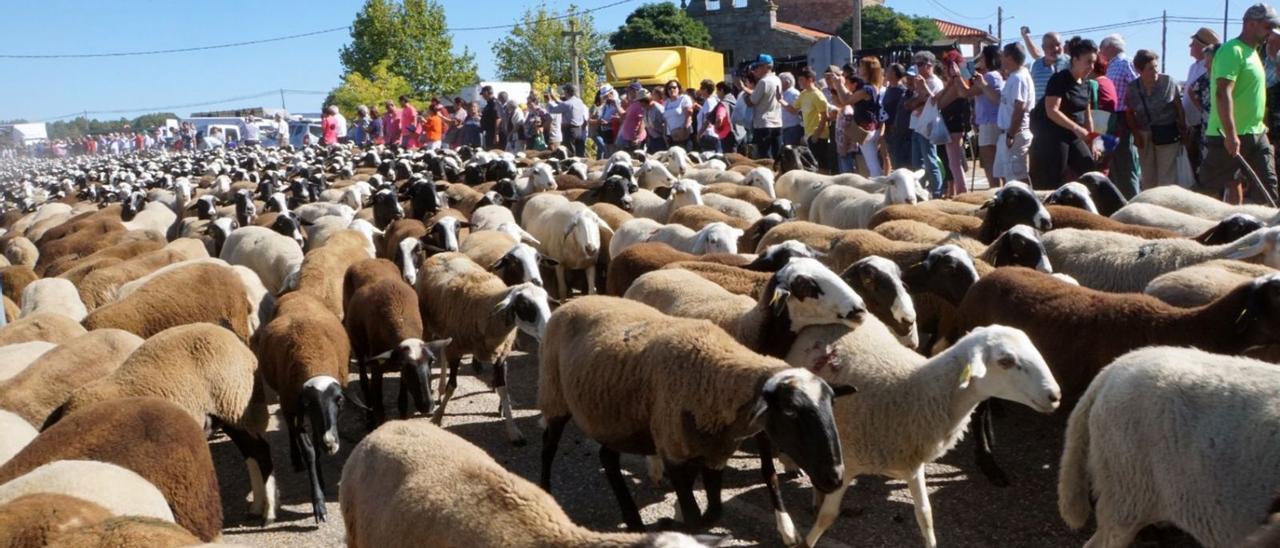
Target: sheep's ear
987,204
605,228
975,369
437,346
663,192
804,287
841,390
778,301
504,303
381,357
497,264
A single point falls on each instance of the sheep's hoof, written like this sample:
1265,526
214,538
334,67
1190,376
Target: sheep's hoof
320,513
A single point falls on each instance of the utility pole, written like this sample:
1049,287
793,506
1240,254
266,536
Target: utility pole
282,107
1164,32
856,39
1000,25
573,33
1226,12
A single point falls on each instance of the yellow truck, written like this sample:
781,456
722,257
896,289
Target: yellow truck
656,66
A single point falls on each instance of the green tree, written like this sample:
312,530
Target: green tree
884,27
151,121
536,47
356,89
413,36
664,24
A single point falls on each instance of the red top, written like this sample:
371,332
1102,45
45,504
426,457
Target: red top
1106,94
330,128
408,117
391,126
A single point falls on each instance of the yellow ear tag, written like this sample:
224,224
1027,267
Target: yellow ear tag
966,374
777,295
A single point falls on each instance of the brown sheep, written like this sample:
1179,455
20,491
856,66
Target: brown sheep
697,216
197,293
1074,217
32,521
99,287
150,436
734,279
13,279
363,272
41,326
813,235
398,231
323,269
649,256
43,386
750,194
11,310
77,269
303,355
126,531
90,236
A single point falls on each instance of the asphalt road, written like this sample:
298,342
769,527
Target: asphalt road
967,510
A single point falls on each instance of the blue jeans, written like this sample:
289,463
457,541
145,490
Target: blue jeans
793,135
846,163
925,155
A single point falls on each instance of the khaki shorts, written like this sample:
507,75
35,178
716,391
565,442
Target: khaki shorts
1011,161
988,135
1218,169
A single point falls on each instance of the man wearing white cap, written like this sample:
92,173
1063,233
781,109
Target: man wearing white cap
1238,107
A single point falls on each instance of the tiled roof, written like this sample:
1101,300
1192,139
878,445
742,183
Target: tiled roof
803,31
956,30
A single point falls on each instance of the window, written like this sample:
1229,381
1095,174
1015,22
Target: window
740,3
713,5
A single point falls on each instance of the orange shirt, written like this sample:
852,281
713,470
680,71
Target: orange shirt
435,128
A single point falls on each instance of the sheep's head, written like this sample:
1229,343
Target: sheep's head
414,358
218,230
527,307
584,231
677,160
518,265
794,410
1003,363
425,198
445,233
761,178
287,224
776,256
206,207
319,402
277,202
716,237
684,192
409,255
1106,195
1073,194
518,233
1014,204
653,174
1230,229
133,204
946,271
879,281
616,190
806,292
1259,322
1020,246
541,178
246,210
386,208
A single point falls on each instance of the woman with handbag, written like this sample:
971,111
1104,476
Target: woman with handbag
677,114
957,113
1155,114
1062,121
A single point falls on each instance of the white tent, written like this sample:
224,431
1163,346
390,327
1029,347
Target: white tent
25,134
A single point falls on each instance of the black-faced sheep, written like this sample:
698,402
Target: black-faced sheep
211,374
150,436
412,482
504,255
479,315
1152,436
303,356
640,394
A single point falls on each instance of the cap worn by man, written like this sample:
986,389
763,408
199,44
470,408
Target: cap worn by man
1264,13
762,60
1207,36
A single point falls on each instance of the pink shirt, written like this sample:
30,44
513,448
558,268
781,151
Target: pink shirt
408,117
391,126
633,123
330,128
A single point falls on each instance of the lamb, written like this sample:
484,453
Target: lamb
385,329
100,286
1142,443
1186,201
514,262
1121,263
119,490
569,233
1203,283
41,326
208,372
713,238
165,300
40,388
15,433
1073,217
20,251
479,315
412,482
302,355
150,436
1105,325
802,293
53,295
633,397
16,358
913,410
274,258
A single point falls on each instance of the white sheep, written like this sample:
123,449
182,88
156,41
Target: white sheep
1110,261
413,483
652,174
1192,203
715,237
724,204
15,433
911,410
1173,435
850,207
567,232
1158,216
273,257
16,357
538,178
156,218
1200,284
55,295
119,490
646,204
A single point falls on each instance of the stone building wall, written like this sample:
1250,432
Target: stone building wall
742,33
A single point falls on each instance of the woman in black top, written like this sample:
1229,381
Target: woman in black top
1061,121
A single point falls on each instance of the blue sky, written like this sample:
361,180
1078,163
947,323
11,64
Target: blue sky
41,89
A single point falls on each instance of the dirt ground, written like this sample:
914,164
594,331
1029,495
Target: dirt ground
967,510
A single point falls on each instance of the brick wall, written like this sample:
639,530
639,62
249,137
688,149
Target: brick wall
745,32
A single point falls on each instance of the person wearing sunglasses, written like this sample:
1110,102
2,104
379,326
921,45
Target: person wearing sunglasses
765,99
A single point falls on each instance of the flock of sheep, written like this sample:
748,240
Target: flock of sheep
702,305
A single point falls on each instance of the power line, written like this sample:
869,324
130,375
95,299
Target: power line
260,95
958,14
552,18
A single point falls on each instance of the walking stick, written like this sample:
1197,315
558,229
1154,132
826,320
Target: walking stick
1253,177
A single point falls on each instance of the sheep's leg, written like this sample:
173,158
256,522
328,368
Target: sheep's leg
712,480
362,366
591,280
295,430
447,388
829,510
376,405
551,442
924,513
257,459
1113,536
504,403
402,398
682,478
561,287
655,465
313,469
613,473
786,527
982,446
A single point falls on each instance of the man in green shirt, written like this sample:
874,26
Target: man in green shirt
1238,104
812,107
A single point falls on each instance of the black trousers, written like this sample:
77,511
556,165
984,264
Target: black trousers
1051,156
768,141
575,137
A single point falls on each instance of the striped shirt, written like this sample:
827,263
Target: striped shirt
1120,72
1041,72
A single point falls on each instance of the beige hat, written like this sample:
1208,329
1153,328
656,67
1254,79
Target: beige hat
1207,36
